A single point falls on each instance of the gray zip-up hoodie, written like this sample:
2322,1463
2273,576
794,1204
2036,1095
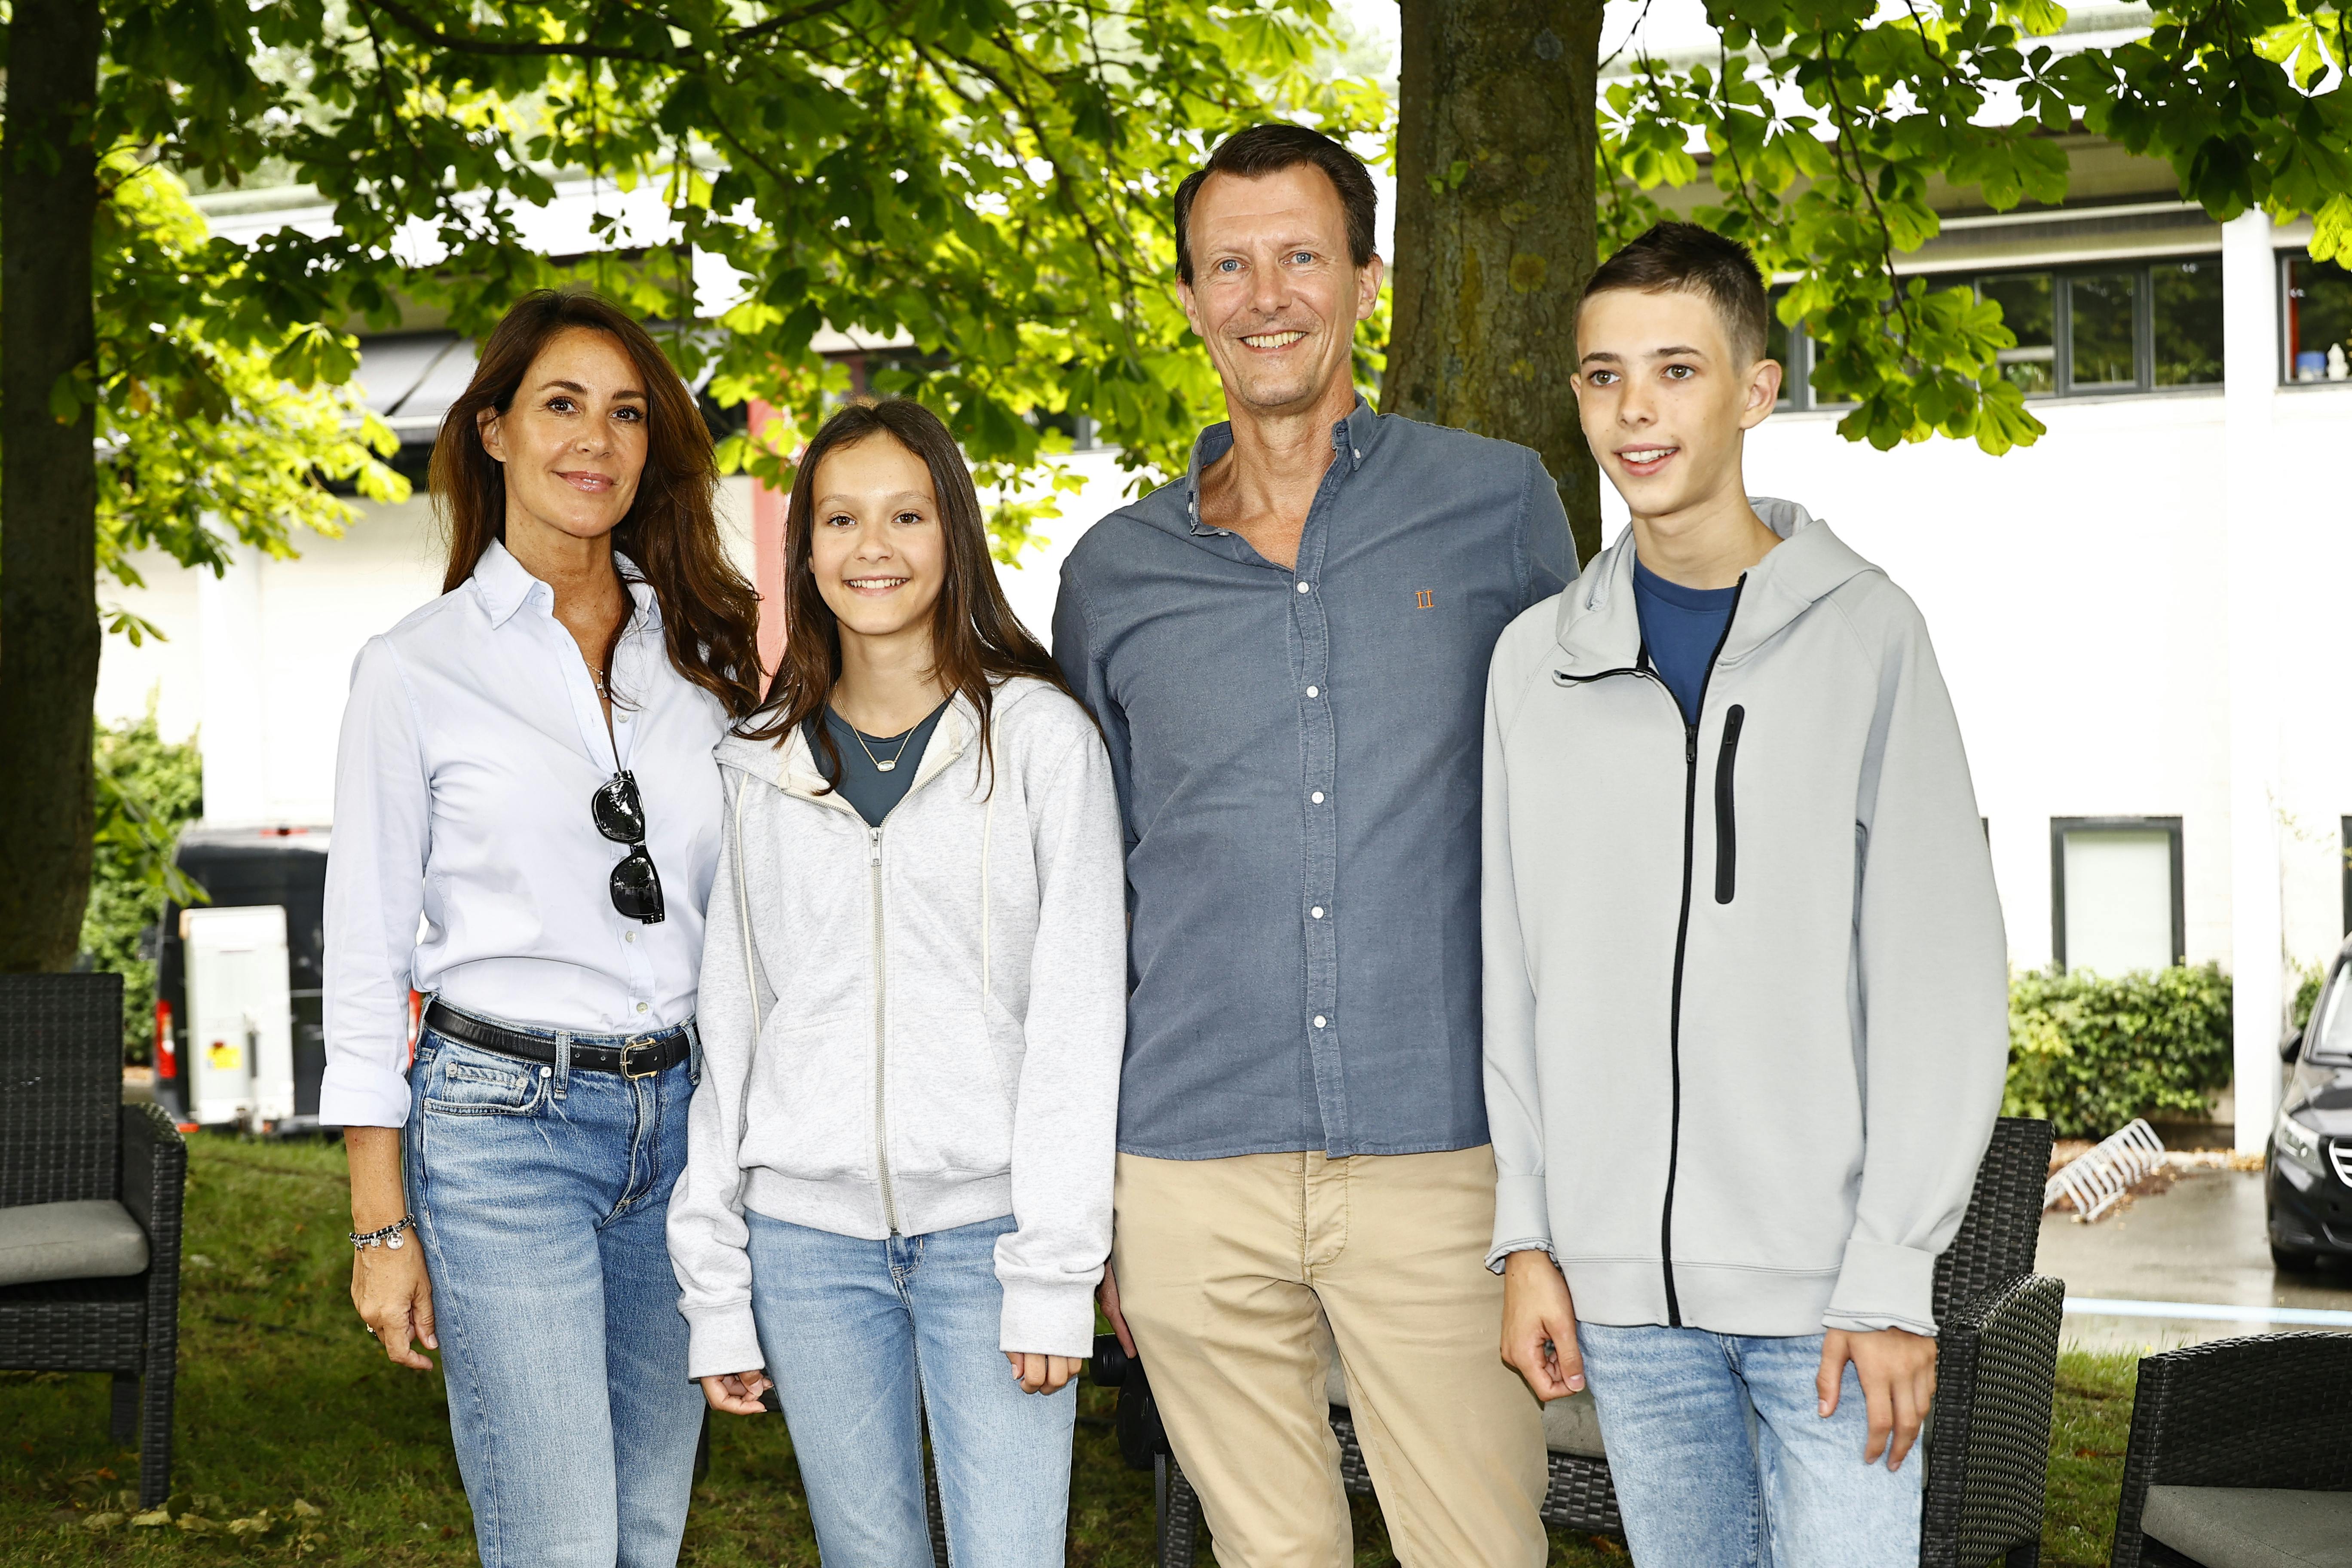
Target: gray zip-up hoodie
1746,982
914,1026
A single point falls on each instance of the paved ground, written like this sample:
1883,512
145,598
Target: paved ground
2202,1241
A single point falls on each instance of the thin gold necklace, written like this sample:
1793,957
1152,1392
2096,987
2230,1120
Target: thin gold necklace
879,765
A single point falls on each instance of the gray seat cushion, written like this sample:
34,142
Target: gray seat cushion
90,1238
2251,1527
1571,1425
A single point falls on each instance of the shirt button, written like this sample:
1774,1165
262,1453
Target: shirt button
641,1006
1317,797
1319,1020
625,718
1314,692
1317,911
1359,454
628,936
1304,588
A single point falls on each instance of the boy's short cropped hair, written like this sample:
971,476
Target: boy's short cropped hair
1269,149
1683,256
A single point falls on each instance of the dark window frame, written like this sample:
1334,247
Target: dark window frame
1797,382
2062,825
2344,859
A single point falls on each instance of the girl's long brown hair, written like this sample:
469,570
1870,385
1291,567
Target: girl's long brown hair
709,615
976,640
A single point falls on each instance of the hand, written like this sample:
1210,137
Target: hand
395,1296
1106,1297
1897,1370
1043,1374
1539,1326
738,1392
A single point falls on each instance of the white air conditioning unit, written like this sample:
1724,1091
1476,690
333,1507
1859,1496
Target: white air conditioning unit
240,1030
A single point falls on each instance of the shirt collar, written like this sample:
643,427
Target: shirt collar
505,586
1351,438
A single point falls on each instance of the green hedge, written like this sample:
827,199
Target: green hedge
148,788
2090,1051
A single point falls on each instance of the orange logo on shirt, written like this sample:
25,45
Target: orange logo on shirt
1423,599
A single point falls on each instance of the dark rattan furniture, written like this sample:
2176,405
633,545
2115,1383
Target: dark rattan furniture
1989,1435
2269,1411
65,1134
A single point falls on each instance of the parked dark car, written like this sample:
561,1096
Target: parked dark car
2308,1169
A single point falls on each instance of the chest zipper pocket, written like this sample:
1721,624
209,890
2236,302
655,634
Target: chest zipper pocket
1727,823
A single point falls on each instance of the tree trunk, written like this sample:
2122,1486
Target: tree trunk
1495,228
49,483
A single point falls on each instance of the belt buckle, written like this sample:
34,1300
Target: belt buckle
641,1042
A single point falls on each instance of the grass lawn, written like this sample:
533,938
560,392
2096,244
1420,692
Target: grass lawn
296,1439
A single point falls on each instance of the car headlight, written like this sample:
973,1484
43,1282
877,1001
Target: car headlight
2296,1142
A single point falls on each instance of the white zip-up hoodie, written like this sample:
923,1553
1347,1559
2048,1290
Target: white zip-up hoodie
915,1027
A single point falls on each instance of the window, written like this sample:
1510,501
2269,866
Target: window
2318,300
2103,330
2092,330
2187,300
2114,893
2027,310
2329,1032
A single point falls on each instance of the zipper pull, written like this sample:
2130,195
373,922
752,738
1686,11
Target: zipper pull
1690,743
874,841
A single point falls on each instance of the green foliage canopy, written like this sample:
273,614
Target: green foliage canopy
1828,120
215,422
987,178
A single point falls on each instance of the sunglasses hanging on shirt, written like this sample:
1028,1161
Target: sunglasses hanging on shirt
621,817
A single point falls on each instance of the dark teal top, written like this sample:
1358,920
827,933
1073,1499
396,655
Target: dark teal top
875,776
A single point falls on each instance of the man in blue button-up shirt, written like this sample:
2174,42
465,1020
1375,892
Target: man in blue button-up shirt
1287,653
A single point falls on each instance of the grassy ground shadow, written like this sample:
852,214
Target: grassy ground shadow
297,1440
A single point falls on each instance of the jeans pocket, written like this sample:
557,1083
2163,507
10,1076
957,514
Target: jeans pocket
462,1081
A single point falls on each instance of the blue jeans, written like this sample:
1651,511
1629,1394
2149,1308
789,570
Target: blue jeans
541,1196
1721,1458
864,1341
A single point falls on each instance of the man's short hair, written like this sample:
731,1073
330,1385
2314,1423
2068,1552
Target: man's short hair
1264,149
1683,256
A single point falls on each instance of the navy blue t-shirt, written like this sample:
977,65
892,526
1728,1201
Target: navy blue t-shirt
1682,627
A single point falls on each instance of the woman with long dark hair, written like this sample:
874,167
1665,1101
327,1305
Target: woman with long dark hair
526,829
897,1202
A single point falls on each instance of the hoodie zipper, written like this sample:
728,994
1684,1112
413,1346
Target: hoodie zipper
1682,948
881,1121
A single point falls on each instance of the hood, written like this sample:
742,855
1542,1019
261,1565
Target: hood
1600,629
790,767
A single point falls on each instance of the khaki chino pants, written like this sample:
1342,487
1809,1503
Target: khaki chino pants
1229,1271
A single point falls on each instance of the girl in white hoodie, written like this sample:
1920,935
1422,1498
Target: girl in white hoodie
898,1195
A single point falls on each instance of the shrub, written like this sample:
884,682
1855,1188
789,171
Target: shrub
148,788
2090,1052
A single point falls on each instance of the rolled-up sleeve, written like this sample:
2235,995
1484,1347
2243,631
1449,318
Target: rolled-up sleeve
375,896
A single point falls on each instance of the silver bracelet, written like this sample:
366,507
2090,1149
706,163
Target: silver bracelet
388,1236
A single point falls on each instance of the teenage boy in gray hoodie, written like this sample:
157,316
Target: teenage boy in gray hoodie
1746,981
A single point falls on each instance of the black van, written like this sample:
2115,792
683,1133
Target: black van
2307,1168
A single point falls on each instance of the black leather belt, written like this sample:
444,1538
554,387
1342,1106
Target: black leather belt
640,1057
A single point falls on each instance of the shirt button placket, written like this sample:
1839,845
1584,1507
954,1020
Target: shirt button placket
1310,610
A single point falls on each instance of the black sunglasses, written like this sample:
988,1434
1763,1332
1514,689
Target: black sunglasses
621,817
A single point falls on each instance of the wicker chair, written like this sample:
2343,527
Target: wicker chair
2224,1436
1988,1438
65,1134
